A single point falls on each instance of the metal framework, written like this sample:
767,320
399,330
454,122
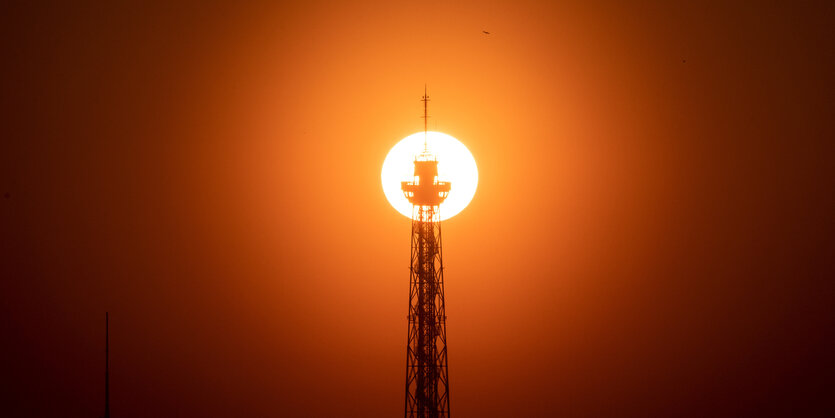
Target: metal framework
427,379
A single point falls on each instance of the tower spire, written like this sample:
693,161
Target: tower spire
425,100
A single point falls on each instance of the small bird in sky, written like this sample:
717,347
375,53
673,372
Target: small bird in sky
485,32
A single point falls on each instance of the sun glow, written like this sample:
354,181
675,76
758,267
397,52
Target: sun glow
455,165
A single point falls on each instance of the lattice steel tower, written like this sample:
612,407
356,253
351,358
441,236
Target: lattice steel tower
427,380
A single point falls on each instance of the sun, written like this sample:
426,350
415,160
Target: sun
455,165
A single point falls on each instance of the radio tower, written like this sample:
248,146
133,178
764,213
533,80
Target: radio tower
427,380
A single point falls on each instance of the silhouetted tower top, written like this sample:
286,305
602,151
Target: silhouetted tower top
425,189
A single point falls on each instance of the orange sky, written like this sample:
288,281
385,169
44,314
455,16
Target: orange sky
651,235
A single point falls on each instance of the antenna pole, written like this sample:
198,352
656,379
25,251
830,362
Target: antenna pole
425,101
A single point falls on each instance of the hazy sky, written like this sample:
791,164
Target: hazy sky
652,234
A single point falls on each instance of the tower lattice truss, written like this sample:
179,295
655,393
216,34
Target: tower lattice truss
427,380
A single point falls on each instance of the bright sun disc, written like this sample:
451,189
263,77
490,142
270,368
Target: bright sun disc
455,165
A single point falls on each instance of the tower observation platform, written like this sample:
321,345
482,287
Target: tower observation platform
427,379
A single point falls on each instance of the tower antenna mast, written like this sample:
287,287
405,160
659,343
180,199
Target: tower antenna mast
425,100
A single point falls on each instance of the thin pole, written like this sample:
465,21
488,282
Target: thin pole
425,119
